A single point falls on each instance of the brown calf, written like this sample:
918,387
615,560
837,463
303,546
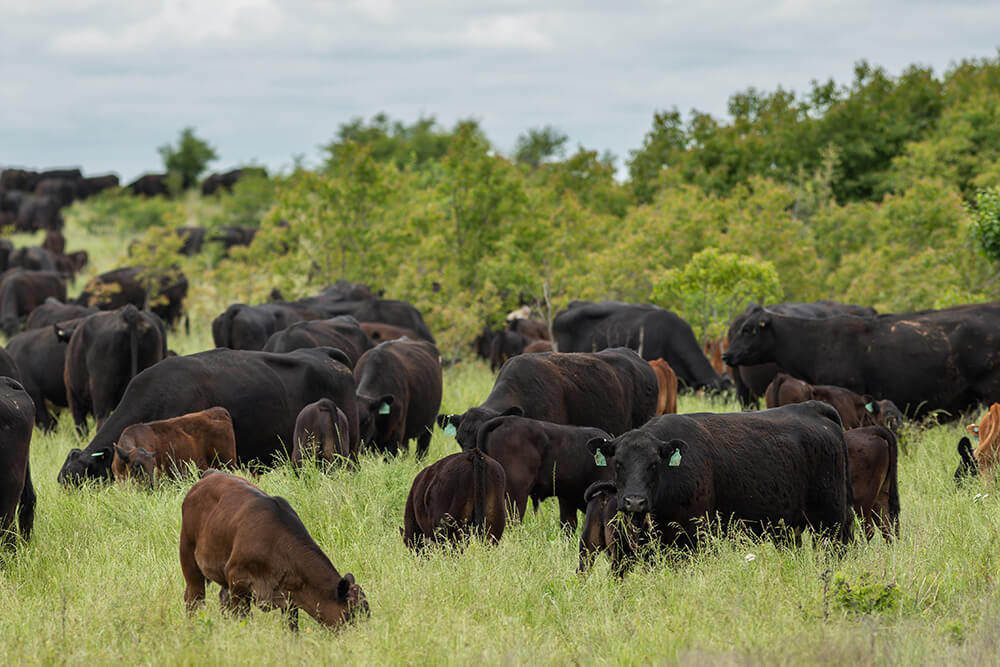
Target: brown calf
714,349
855,410
538,346
453,494
666,380
872,453
257,549
321,429
157,447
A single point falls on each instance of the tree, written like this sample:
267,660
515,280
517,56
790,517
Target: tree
538,145
189,159
986,222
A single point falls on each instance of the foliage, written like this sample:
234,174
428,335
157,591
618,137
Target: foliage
120,210
188,159
252,197
985,225
157,251
865,596
538,145
713,287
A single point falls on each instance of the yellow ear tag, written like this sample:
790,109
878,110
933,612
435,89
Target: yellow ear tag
675,459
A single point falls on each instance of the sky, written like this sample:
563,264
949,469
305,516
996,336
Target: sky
101,84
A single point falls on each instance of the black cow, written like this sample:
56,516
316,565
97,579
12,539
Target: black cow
53,311
507,344
23,291
264,393
784,468
91,185
542,460
654,332
38,212
243,327
751,381
41,359
923,361
399,394
342,332
223,181
194,238
105,351
613,390
114,289
8,367
32,258
231,235
17,494
386,311
150,185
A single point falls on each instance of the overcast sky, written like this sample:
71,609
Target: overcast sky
101,83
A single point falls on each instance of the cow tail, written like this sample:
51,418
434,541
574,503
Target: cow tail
26,507
484,433
890,438
478,490
131,316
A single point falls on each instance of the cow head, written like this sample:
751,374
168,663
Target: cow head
377,415
888,415
465,427
639,459
967,467
344,604
751,338
137,462
81,465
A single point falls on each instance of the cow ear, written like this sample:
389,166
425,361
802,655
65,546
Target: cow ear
122,454
513,411
673,452
344,587
606,446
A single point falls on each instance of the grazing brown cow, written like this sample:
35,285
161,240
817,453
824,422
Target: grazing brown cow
984,458
538,346
872,454
380,333
541,460
322,430
158,447
448,497
666,380
855,410
605,529
256,547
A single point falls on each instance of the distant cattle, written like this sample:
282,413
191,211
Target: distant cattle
873,456
243,327
104,352
17,494
536,329
264,393
23,291
542,460
257,549
38,212
654,332
32,258
507,344
666,381
193,239
922,361
41,360
855,410
91,185
613,390
230,236
322,431
150,185
751,380
783,469
217,182
114,289
53,311
399,394
157,448
454,496
342,332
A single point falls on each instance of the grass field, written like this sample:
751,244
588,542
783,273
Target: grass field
100,580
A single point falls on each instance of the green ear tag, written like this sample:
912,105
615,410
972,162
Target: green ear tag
599,458
450,429
97,455
383,409
869,408
675,459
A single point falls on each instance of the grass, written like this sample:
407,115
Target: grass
100,581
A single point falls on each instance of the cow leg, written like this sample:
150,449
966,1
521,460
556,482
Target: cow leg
79,412
423,444
194,594
567,516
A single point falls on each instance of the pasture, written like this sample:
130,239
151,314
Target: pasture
100,581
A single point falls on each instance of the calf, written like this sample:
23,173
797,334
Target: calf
983,459
542,460
604,529
613,390
666,381
398,394
855,410
785,467
17,494
452,495
257,549
872,454
322,426
159,447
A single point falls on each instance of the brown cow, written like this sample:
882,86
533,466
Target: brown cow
257,549
855,410
538,346
666,381
603,528
322,430
872,454
453,494
987,432
158,447
714,349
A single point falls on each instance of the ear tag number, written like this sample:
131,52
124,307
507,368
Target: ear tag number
599,458
384,409
450,430
869,407
675,459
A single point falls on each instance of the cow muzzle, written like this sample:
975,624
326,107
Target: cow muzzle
634,503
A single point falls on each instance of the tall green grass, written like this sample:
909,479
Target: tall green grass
100,580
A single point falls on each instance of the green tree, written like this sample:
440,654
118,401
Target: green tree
538,145
985,226
189,158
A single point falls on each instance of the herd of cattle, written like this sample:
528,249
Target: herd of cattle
583,410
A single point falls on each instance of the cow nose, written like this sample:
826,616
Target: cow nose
635,504
728,358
